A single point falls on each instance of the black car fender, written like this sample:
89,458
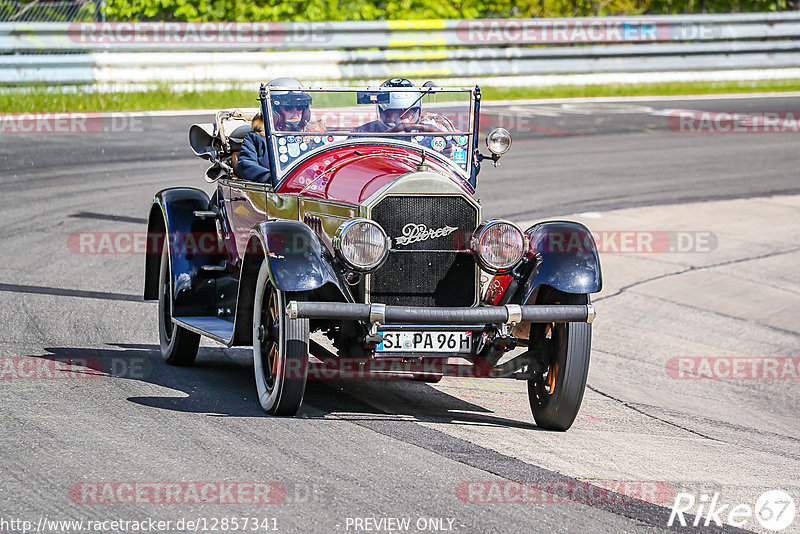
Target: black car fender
172,219
296,263
295,257
566,258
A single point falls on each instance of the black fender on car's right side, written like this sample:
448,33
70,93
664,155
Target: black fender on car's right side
295,256
172,218
297,263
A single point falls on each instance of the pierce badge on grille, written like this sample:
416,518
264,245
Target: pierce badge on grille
414,233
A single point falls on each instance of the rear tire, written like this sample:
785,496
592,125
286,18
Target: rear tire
178,345
430,374
556,394
430,378
280,350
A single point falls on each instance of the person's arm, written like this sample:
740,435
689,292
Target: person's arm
251,164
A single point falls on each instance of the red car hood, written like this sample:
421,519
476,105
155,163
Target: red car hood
353,173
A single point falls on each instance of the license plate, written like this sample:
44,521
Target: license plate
460,342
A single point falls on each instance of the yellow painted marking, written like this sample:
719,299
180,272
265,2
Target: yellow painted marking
433,24
395,56
417,42
242,211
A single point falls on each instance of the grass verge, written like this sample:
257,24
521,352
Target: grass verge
42,99
654,89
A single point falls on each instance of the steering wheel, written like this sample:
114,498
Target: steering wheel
411,127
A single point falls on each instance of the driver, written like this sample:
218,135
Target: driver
403,113
403,108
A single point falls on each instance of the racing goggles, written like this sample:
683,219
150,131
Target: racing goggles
295,100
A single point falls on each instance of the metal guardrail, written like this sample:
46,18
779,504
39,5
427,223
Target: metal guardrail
244,52
227,36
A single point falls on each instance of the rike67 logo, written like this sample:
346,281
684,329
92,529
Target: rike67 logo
774,510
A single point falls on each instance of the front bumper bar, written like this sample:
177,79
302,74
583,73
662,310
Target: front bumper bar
382,314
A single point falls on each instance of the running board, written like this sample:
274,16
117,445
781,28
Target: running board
217,329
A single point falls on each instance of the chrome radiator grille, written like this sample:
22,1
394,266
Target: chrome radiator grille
424,267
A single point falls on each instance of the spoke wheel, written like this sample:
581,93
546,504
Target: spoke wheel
556,394
280,350
178,345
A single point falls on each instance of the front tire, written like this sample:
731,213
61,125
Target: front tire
280,350
178,345
556,393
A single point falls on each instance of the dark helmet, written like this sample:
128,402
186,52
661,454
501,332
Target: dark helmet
289,98
400,100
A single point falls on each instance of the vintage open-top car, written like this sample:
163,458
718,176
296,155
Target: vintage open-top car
364,246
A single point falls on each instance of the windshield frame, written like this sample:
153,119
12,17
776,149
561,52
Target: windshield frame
467,174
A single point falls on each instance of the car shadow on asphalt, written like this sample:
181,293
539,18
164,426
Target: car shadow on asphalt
220,383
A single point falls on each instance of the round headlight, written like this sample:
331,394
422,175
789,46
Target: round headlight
498,141
498,245
361,244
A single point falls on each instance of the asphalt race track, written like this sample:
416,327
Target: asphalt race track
362,452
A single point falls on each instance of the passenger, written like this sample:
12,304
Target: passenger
291,112
253,162
292,109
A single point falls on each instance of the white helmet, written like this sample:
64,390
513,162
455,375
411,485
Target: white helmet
400,100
